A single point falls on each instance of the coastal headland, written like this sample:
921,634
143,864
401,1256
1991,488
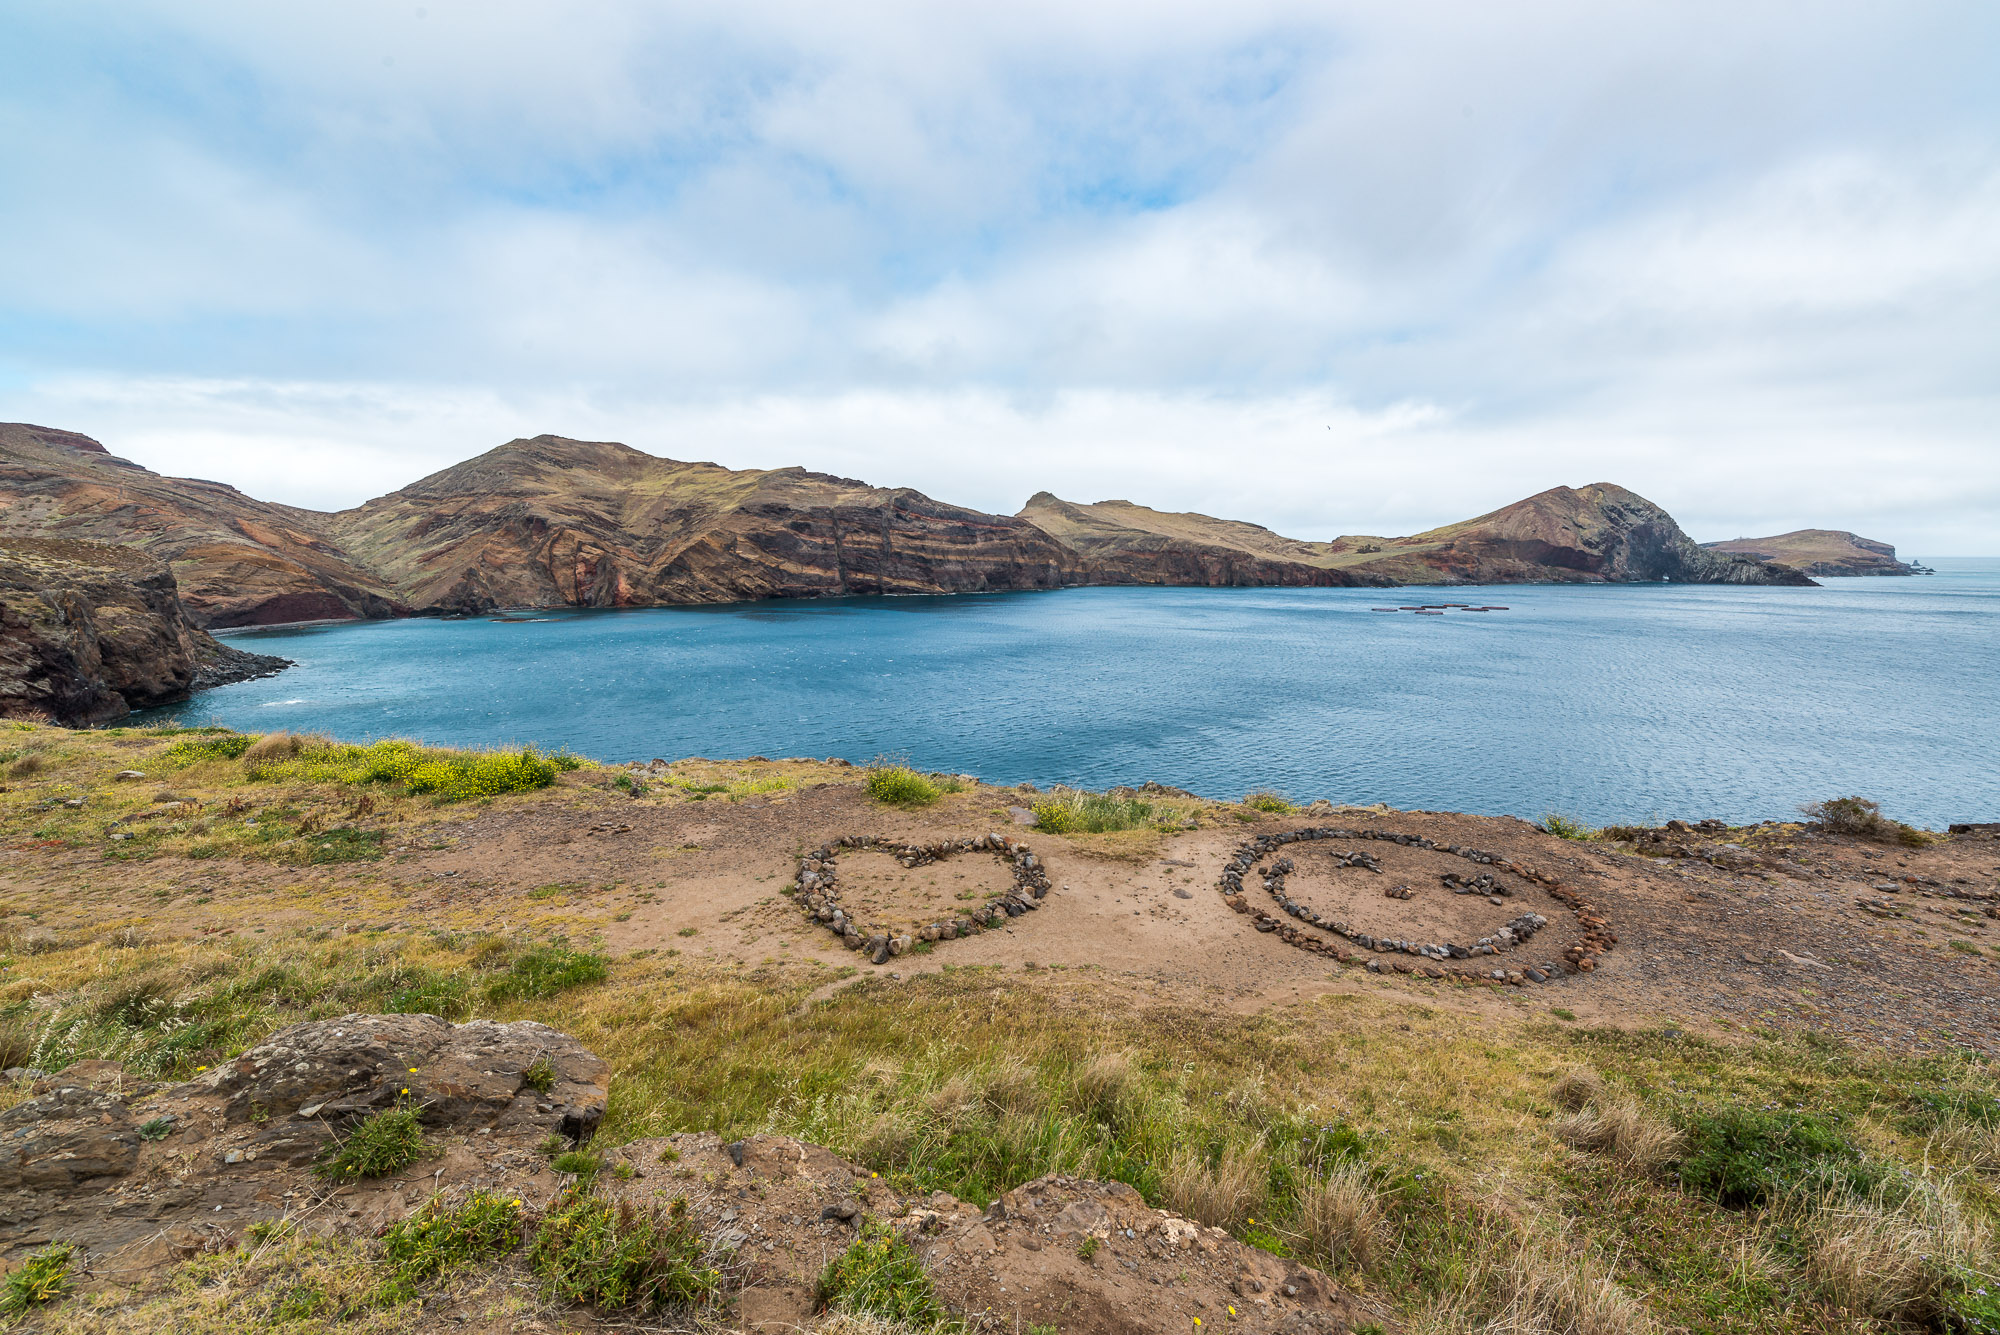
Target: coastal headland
1335,1068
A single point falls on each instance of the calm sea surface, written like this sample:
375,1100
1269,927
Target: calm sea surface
1606,703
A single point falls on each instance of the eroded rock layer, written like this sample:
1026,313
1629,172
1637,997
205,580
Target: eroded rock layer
90,632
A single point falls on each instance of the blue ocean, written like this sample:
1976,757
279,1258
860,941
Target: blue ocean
1605,703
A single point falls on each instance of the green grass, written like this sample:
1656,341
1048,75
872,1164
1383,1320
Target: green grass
1269,800
617,1257
900,786
1562,827
214,746
880,1276
1744,1157
388,1142
1102,813
42,1278
437,1239
447,774
547,971
170,1006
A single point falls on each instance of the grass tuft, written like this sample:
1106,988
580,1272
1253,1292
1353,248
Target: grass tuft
1103,813
1562,827
615,1256
388,1142
42,1278
901,786
438,1239
1269,799
880,1276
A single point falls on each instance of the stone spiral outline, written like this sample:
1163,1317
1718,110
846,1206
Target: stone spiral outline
1580,956
817,888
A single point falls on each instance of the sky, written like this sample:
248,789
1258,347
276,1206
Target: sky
1342,267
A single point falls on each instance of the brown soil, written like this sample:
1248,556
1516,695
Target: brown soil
1781,937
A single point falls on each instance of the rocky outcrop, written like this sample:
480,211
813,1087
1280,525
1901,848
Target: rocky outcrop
240,561
141,1175
551,522
1820,552
90,632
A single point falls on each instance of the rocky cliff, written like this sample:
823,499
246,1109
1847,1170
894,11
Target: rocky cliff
240,561
551,522
90,632
1820,551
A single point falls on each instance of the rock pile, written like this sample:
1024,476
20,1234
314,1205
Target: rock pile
818,891
1439,958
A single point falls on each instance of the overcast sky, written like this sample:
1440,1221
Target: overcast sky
1334,267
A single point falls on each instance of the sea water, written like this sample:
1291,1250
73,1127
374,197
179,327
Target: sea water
1605,703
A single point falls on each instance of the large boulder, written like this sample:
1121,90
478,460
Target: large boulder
65,1136
481,1076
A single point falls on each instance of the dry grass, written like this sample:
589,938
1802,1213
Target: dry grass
1578,1088
1222,1194
1534,1288
1105,1086
1011,1088
1896,1259
1623,1131
282,746
1339,1222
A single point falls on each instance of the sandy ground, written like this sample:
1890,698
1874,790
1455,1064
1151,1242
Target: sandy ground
1858,939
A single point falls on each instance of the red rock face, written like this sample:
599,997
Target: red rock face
240,561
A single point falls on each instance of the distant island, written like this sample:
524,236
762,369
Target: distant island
1822,551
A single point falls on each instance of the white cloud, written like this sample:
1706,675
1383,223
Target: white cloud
1741,261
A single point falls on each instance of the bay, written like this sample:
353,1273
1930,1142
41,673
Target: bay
1605,703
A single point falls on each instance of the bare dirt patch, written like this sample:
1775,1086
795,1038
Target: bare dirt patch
880,890
1433,912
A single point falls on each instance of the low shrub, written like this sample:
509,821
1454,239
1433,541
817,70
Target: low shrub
899,785
1744,1157
42,1278
1863,819
1562,827
546,971
437,1239
387,1142
1269,799
1101,813
447,774
880,1276
588,1250
212,746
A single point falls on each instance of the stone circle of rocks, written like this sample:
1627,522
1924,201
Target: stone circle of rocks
818,891
1432,959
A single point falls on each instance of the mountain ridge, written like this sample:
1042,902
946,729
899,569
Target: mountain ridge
548,521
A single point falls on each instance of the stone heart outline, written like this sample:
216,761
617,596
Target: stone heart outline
1580,956
818,890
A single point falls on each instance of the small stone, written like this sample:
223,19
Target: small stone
127,775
